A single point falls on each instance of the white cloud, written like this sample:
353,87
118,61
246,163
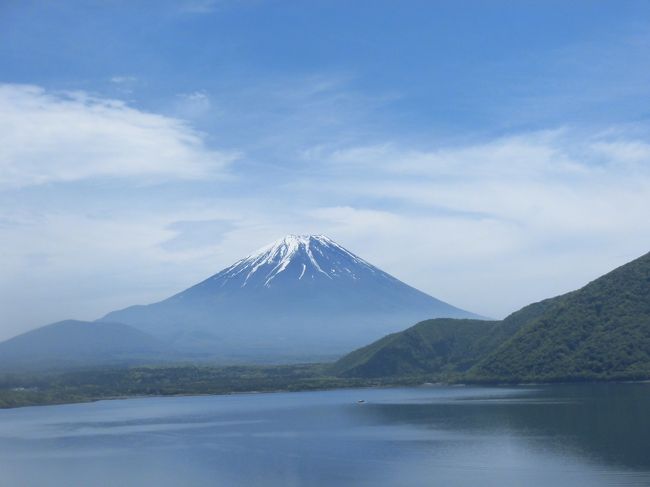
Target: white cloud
489,226
81,266
60,137
554,181
493,225
522,156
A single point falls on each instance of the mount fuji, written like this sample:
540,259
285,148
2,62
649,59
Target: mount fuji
302,297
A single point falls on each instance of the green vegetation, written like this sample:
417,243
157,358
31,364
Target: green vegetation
600,332
26,389
433,346
444,347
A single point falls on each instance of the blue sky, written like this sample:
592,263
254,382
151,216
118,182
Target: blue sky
491,153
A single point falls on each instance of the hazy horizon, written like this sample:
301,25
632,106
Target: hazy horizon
488,154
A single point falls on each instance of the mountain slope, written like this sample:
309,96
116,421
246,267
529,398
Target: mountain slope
74,342
301,297
433,346
439,345
601,331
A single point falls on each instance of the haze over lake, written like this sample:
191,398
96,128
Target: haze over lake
562,435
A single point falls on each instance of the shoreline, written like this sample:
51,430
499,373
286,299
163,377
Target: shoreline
388,385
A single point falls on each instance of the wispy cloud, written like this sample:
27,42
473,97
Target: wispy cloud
489,226
123,79
280,115
138,255
50,137
552,209
193,105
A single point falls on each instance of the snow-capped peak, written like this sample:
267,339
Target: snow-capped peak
292,243
297,257
303,294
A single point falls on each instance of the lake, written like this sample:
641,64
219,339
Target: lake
562,435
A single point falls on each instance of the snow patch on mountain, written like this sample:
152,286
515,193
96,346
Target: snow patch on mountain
298,257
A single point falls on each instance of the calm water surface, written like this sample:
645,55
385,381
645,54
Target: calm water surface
587,435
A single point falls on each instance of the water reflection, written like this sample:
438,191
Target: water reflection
552,435
604,422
